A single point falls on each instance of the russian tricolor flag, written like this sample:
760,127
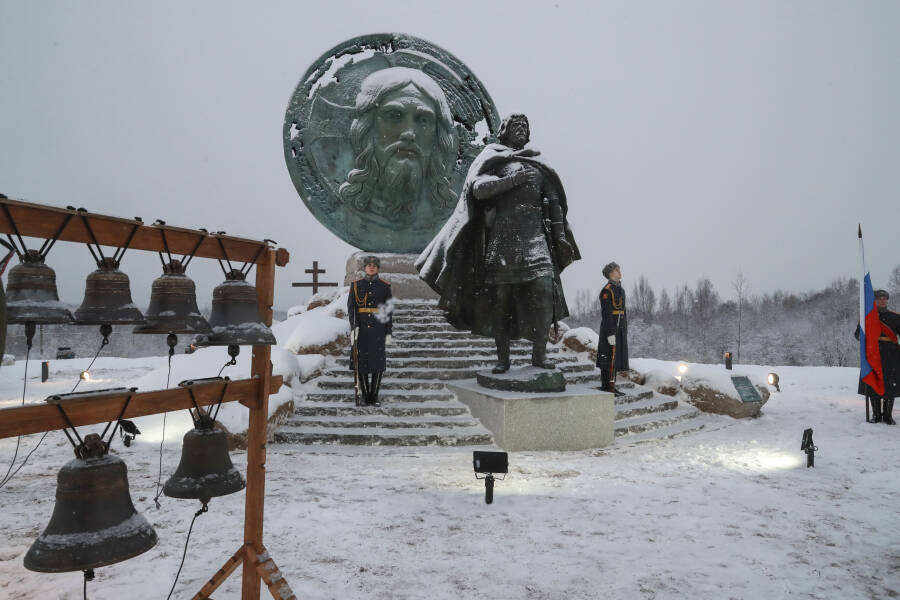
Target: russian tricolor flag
870,371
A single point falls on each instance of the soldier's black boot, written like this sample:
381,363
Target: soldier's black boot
363,389
539,355
876,409
888,410
376,387
502,365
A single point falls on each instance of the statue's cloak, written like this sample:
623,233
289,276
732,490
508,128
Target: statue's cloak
453,262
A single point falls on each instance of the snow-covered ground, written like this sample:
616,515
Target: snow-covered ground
727,512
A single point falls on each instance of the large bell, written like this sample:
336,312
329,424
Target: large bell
173,304
235,315
107,297
94,522
31,293
205,470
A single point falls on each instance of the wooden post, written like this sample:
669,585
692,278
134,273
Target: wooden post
261,367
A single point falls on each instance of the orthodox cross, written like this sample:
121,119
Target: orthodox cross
316,284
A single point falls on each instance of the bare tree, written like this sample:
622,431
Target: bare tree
741,288
893,286
643,300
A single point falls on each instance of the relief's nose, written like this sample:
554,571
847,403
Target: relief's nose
408,136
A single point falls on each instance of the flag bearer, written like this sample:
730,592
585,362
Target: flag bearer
883,406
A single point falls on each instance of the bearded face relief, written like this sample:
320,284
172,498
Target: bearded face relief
378,138
404,144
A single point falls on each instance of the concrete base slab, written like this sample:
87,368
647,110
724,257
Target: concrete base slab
577,419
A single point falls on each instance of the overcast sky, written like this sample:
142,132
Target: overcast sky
693,138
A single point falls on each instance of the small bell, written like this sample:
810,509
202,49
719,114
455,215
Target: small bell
107,297
235,315
205,470
94,522
31,294
173,304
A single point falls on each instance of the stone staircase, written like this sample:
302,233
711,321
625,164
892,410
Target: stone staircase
417,408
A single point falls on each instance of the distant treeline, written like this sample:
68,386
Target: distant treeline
781,328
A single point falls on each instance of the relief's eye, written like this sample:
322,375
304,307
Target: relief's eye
424,120
393,115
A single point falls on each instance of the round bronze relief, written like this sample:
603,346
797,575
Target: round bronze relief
379,135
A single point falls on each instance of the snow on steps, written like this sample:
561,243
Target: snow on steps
417,408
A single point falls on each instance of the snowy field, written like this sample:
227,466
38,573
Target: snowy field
727,512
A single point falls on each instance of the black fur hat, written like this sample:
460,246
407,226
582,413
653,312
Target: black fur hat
610,268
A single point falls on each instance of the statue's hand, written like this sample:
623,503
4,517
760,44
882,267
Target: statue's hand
527,177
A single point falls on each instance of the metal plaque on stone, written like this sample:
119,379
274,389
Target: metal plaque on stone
745,389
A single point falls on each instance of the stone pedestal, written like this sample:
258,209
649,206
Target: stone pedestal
396,269
576,419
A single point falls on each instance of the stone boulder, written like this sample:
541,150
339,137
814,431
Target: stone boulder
319,334
715,393
524,379
557,338
662,382
581,339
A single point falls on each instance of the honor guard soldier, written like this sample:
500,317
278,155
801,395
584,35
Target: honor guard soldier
890,361
612,348
369,308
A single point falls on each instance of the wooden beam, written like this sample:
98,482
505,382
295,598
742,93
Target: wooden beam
40,221
105,407
222,574
257,434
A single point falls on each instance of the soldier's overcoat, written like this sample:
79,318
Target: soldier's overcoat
368,308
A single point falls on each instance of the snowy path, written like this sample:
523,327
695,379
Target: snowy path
727,512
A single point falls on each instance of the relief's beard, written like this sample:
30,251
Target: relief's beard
400,182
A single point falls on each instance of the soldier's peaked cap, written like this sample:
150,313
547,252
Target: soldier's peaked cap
372,260
882,294
610,268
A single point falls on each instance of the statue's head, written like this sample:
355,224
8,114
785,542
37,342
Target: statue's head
514,131
404,143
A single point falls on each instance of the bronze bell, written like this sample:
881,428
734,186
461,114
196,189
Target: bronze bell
107,297
173,304
94,522
235,315
31,293
205,470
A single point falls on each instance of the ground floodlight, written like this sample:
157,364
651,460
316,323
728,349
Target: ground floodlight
773,380
85,376
806,445
682,368
489,463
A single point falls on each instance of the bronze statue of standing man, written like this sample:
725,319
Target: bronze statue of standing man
496,262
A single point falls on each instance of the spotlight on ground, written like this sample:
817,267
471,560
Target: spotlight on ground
85,376
488,463
806,445
773,380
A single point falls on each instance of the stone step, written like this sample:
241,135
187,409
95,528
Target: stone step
394,351
345,382
647,422
442,373
412,319
391,409
468,436
645,406
384,395
450,334
470,362
474,342
586,377
370,420
632,396
677,428
417,325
